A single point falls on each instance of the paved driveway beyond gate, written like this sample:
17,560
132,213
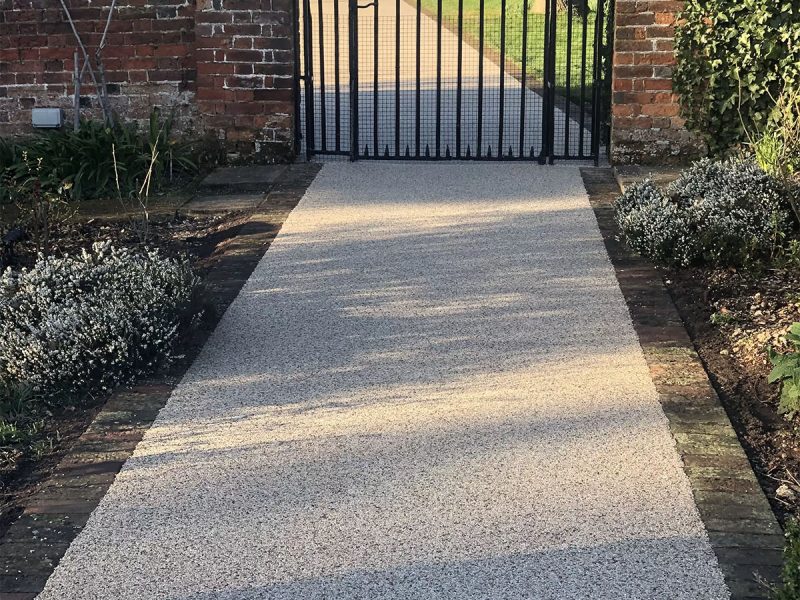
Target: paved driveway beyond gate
521,108
429,388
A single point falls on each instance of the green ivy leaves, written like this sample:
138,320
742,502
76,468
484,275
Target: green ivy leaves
786,370
734,58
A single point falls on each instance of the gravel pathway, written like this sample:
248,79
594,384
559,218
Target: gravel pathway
429,388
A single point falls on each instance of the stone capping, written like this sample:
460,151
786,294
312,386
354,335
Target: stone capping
34,544
742,528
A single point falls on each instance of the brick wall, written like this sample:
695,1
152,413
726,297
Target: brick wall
226,68
149,59
646,126
245,68
222,66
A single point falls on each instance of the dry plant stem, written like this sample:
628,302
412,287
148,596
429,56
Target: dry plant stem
116,172
76,117
103,91
142,228
127,210
144,191
105,30
788,105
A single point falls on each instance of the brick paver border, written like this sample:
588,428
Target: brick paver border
36,541
742,528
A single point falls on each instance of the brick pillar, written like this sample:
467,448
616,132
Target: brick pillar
245,69
646,127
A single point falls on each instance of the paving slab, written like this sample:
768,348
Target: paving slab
251,178
430,387
627,175
223,203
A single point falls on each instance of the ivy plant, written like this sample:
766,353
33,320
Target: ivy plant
790,574
786,371
734,57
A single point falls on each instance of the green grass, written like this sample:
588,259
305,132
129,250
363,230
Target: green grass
536,27
23,432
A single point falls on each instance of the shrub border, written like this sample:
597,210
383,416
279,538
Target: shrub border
52,517
742,529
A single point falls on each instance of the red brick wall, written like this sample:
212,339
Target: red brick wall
646,126
245,68
223,66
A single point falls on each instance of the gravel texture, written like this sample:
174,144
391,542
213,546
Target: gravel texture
430,387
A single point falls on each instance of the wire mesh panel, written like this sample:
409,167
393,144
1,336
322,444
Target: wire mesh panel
452,79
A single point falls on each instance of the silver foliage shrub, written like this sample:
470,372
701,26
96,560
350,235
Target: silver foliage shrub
721,213
654,225
92,320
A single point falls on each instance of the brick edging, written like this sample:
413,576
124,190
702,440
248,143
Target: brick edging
742,528
52,518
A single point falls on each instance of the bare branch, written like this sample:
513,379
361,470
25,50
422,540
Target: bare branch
105,31
104,106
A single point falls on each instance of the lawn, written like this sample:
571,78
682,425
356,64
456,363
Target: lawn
568,36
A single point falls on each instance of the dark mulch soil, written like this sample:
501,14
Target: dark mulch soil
178,235
732,318
199,238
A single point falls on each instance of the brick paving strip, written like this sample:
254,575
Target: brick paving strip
742,528
53,517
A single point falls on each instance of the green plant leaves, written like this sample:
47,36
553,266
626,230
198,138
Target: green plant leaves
722,213
786,371
790,574
734,57
84,158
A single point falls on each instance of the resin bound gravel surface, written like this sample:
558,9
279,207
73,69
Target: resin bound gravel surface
430,387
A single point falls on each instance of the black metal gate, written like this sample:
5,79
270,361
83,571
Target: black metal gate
454,79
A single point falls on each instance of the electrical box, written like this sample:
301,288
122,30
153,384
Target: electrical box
47,118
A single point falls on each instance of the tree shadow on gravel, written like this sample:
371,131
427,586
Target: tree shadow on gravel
646,568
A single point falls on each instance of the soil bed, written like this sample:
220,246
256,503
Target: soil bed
200,238
732,318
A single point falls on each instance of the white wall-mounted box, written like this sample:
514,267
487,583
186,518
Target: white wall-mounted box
47,118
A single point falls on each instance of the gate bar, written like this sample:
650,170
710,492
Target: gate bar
523,89
546,82
479,144
397,79
438,79
353,58
375,106
597,74
501,110
337,94
584,41
460,62
322,117
551,132
418,100
608,53
297,74
308,78
568,75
